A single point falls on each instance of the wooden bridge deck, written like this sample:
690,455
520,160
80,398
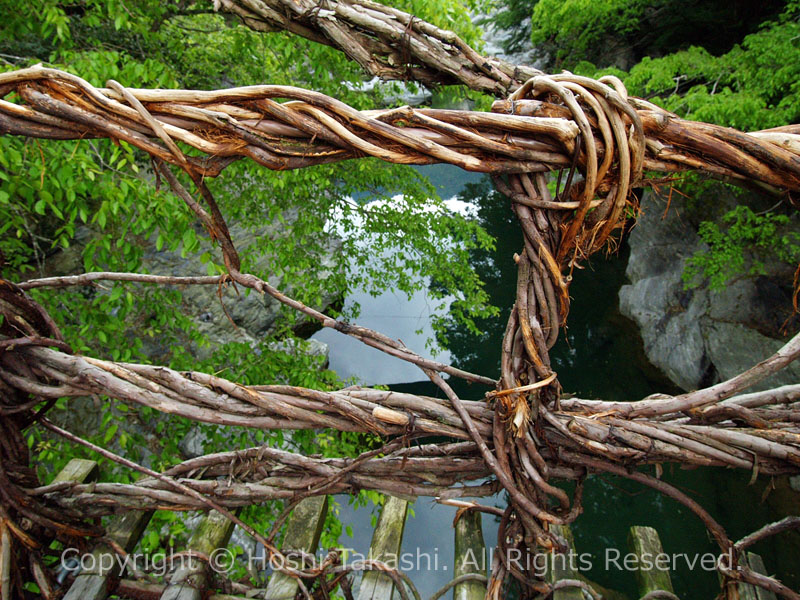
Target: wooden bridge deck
192,579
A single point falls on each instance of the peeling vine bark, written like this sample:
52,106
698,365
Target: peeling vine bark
527,434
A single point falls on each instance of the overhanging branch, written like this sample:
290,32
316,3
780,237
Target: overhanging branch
530,434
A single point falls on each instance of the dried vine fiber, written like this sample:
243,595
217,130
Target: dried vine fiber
533,132
525,436
386,42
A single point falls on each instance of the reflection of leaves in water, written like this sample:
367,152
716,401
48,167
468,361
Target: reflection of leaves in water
598,355
480,353
601,355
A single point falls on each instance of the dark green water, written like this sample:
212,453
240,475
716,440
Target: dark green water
599,355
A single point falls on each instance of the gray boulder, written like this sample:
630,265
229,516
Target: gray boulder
234,316
242,315
699,337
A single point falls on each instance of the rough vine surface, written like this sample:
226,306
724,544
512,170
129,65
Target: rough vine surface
527,434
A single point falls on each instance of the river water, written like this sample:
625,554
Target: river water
599,356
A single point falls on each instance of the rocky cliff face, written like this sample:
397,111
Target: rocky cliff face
699,337
235,316
249,319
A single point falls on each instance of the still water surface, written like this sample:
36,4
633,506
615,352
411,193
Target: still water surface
599,356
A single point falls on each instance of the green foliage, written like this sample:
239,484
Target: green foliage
753,85
745,75
48,196
741,245
575,28
621,32
155,45
513,18
99,195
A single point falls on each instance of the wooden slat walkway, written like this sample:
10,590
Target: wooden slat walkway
386,542
470,556
190,580
566,569
645,543
78,469
125,530
560,566
302,533
749,592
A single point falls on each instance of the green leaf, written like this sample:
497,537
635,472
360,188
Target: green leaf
110,433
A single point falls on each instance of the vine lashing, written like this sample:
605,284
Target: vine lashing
525,436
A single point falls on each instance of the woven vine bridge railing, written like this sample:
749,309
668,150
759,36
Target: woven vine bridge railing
525,436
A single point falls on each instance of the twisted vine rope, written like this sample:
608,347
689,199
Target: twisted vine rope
386,42
527,434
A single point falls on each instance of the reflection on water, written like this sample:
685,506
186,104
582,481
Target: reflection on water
600,355
395,315
427,541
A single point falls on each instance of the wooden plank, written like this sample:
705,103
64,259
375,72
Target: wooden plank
386,542
567,566
746,591
5,561
757,564
96,582
561,566
128,588
302,533
189,580
751,592
470,556
78,469
646,545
